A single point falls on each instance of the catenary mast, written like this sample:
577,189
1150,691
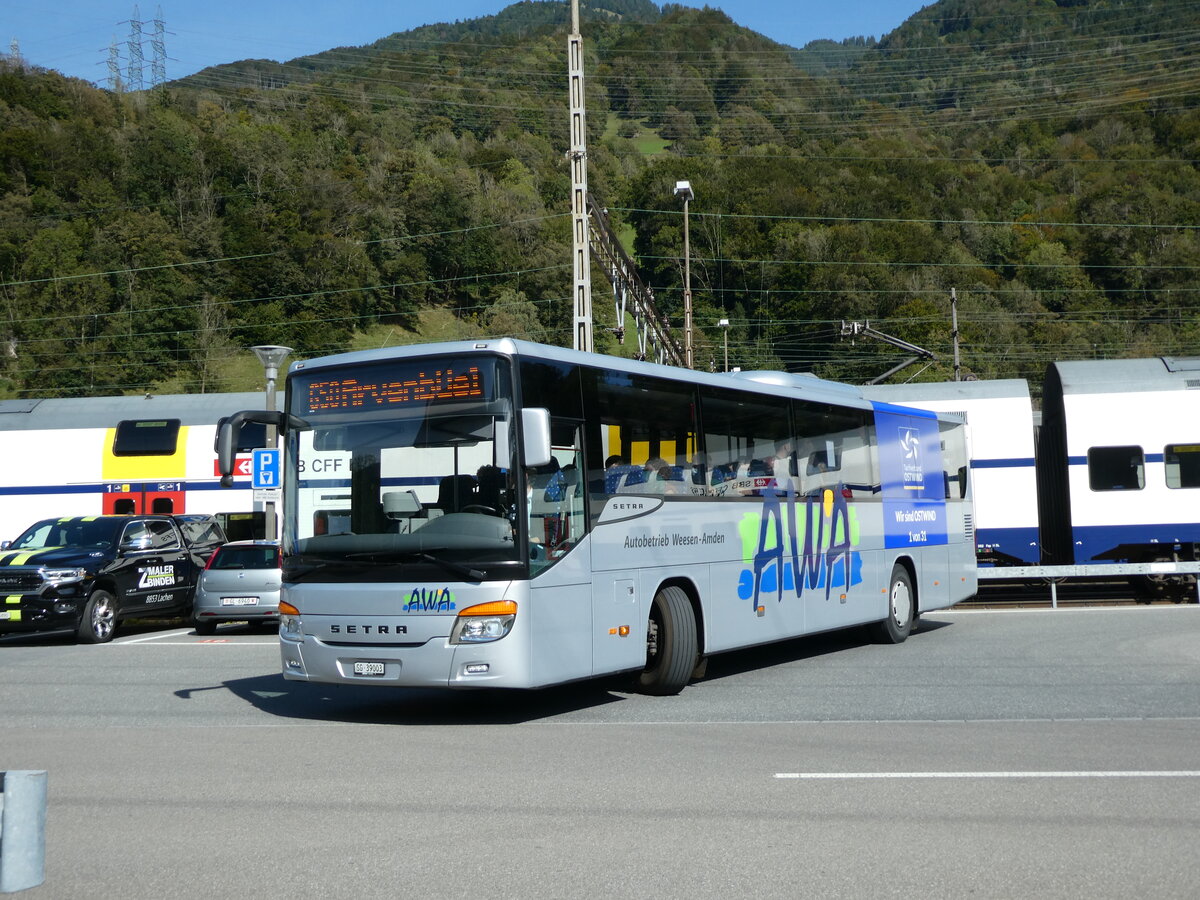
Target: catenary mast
581,252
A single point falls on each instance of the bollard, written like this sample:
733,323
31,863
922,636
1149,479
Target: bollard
22,830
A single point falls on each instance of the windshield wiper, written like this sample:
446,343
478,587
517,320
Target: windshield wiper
457,568
316,566
449,565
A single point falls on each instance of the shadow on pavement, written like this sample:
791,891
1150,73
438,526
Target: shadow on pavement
383,705
409,706
738,662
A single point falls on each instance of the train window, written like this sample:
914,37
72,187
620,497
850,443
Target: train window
146,437
1116,468
1183,465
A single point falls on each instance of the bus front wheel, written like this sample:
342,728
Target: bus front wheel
671,644
901,606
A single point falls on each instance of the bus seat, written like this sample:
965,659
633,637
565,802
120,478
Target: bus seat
617,478
455,492
401,504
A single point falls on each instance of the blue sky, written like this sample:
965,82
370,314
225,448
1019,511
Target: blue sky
73,36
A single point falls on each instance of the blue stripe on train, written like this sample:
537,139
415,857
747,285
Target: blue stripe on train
1147,457
1019,544
1016,463
1092,541
136,487
139,486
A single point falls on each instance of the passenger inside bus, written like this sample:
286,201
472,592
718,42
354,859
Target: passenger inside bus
490,493
544,488
455,492
664,478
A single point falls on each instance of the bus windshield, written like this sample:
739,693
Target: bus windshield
402,465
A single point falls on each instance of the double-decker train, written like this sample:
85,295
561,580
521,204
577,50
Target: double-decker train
1108,471
122,455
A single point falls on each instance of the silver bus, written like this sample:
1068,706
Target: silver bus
504,514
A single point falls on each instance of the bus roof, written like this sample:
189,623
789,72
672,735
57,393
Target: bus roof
808,386
989,389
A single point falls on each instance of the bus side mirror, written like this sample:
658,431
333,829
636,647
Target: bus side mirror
229,431
535,436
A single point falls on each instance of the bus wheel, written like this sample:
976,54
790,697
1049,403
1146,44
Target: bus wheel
896,627
671,644
99,621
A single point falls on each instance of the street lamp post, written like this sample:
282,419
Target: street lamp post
723,324
684,189
271,357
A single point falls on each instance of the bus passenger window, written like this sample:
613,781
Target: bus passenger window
744,436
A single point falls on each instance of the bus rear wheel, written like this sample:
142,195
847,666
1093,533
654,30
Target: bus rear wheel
901,606
671,644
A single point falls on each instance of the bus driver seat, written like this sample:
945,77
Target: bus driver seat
455,492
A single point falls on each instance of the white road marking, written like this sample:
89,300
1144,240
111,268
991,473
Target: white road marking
154,637
160,640
850,776
968,609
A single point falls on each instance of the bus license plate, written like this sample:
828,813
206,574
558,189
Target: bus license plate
368,668
239,601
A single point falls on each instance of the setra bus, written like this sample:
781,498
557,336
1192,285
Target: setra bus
504,514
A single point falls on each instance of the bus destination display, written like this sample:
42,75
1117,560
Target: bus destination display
428,385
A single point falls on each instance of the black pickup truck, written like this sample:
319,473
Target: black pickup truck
87,573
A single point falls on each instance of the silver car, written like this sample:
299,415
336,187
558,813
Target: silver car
239,584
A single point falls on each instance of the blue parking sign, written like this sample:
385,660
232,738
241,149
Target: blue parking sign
266,469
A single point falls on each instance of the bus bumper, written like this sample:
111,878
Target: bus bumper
436,663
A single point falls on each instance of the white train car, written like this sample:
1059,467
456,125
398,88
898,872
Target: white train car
1000,433
1119,461
1108,471
103,455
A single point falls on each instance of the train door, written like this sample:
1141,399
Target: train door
135,499
145,462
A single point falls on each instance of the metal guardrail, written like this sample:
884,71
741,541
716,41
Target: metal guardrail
22,830
1057,574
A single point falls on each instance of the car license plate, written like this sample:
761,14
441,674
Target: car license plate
368,668
4,614
239,601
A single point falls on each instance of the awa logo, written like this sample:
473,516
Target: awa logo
430,600
795,546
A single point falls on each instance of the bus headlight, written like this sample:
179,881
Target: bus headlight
290,627
484,622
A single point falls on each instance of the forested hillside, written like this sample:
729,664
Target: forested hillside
1040,158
